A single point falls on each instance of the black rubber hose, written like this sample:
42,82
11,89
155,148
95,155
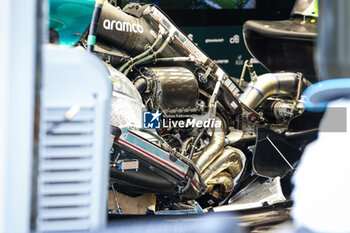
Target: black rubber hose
141,85
116,131
195,169
93,26
142,55
195,143
149,57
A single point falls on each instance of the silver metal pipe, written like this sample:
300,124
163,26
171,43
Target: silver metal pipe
230,159
213,98
214,149
234,136
268,85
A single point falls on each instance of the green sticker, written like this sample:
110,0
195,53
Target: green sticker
91,40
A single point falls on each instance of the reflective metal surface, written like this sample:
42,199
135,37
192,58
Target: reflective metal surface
256,195
214,149
268,85
229,159
223,178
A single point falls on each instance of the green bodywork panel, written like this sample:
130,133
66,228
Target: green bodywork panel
70,18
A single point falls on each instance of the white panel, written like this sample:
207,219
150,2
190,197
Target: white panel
82,164
73,160
59,201
70,128
83,151
66,225
69,212
18,23
58,140
64,189
65,176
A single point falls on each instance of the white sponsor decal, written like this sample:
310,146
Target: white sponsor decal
234,39
153,34
234,105
122,26
222,61
232,87
254,61
239,60
219,40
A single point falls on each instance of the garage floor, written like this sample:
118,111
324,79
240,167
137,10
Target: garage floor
263,219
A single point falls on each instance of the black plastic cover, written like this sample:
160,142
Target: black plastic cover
283,45
271,152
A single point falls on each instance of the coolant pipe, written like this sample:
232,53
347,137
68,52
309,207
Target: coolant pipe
150,57
229,159
142,55
214,149
268,85
93,26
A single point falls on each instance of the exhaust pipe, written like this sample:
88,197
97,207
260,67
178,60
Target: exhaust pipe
214,149
271,84
223,178
230,159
